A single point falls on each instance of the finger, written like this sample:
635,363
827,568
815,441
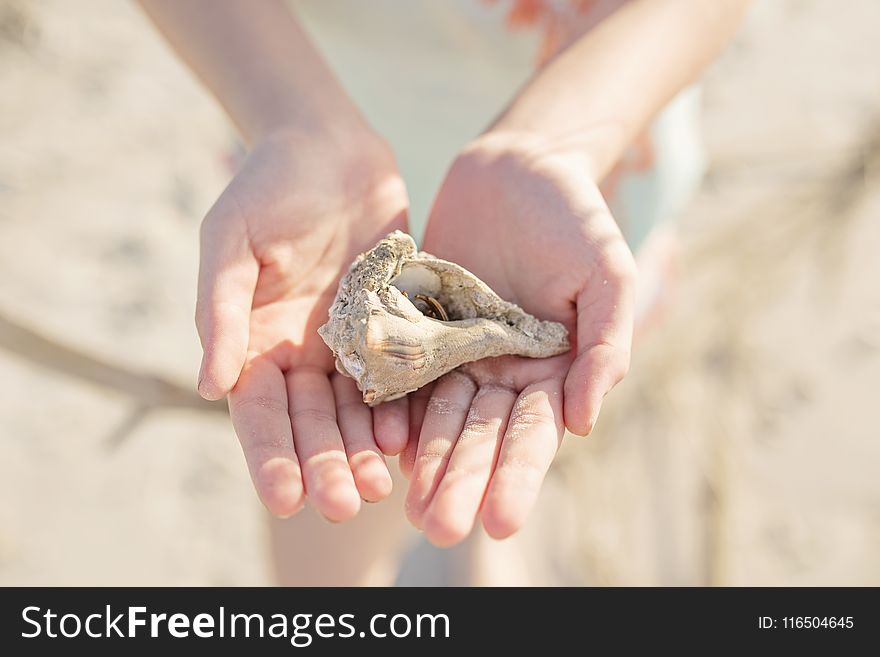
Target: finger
228,272
408,457
258,408
371,476
418,403
450,515
326,473
530,442
391,425
444,419
605,310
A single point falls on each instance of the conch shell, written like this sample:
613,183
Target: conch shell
402,319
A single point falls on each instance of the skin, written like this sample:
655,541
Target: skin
273,247
525,194
491,429
320,187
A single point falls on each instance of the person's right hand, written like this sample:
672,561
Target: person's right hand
273,248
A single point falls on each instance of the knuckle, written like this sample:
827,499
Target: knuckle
456,475
314,414
259,402
529,417
445,406
613,360
478,426
432,455
326,464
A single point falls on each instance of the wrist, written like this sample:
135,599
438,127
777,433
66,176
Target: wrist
331,142
356,170
332,122
501,152
595,143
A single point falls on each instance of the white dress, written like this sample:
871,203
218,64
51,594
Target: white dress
431,74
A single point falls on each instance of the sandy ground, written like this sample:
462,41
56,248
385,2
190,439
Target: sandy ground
742,449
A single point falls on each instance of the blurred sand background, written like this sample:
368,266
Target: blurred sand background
742,449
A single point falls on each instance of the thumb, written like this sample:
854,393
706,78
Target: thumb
604,339
228,273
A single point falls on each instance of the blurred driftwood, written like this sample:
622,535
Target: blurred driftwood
148,392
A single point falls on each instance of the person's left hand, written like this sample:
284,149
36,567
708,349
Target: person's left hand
533,225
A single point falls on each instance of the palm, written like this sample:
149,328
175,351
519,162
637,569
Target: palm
294,225
542,237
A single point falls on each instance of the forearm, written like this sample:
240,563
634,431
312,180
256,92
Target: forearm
599,93
259,63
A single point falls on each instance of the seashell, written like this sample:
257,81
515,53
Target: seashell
402,318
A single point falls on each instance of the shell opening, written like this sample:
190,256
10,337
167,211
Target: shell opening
424,289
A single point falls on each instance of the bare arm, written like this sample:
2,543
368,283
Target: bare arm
520,208
600,92
258,62
317,188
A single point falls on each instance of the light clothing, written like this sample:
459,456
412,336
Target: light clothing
430,75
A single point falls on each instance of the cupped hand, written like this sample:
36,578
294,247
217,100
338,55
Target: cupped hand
532,224
273,248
